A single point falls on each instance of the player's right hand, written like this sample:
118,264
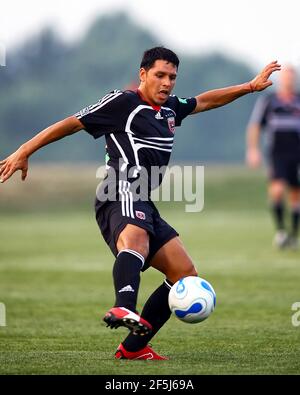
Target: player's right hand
253,158
16,161
261,81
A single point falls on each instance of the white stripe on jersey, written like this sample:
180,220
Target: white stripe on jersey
132,115
88,109
121,151
122,198
131,203
135,152
106,99
102,104
138,146
160,138
125,189
169,109
130,133
153,143
166,142
109,95
126,199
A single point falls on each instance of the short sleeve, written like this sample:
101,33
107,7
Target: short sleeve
260,110
182,107
105,116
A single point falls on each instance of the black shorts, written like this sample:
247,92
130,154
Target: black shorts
112,217
285,168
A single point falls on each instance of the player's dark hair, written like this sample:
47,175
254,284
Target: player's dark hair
158,53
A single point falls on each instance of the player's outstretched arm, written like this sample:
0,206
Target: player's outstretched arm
19,159
219,97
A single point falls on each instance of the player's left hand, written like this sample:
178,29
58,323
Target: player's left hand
261,81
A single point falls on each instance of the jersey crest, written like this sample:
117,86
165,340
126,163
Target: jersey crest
140,215
171,124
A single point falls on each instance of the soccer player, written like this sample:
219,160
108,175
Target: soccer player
279,115
139,130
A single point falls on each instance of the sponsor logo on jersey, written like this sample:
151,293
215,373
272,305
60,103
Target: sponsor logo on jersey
140,215
181,100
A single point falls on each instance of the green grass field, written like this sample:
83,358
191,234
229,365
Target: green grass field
56,284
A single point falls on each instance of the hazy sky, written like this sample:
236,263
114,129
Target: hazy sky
255,31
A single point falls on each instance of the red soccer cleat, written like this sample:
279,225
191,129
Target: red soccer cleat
145,353
120,316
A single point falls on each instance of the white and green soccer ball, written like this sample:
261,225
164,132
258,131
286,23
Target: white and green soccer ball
192,299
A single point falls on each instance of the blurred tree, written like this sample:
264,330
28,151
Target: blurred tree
46,80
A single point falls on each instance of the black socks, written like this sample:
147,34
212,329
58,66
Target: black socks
278,213
126,275
157,312
295,221
278,210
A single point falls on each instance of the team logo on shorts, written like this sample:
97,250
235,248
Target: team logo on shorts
171,123
140,215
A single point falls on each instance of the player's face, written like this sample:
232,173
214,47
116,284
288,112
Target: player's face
158,82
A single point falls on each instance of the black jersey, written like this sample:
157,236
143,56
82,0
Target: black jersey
281,121
138,135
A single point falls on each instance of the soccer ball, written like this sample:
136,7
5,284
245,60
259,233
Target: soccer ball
192,299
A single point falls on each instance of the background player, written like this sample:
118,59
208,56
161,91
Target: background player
279,115
139,130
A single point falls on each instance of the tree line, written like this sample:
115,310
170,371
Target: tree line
46,79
